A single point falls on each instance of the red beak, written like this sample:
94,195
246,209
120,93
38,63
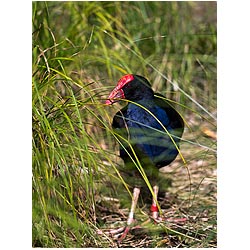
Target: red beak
117,92
115,96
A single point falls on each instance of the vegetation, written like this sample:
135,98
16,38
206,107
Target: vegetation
80,50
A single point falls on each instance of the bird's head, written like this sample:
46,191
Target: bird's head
131,87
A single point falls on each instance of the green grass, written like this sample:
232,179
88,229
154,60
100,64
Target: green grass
80,50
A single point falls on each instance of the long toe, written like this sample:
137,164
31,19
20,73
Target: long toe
123,236
171,220
115,233
119,233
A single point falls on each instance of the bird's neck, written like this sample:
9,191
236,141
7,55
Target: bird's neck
146,98
140,94
144,102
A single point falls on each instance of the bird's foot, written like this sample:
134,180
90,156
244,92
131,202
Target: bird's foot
158,219
125,232
119,233
111,232
171,220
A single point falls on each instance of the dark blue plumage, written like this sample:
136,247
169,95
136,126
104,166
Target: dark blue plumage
150,130
147,122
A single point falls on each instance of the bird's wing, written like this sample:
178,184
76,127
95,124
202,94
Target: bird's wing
176,121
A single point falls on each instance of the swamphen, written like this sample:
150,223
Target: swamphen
151,129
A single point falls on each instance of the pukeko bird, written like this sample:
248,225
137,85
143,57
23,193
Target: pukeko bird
150,130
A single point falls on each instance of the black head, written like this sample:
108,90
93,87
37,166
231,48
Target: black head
131,87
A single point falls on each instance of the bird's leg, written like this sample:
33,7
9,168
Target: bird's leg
130,220
136,193
124,230
154,208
